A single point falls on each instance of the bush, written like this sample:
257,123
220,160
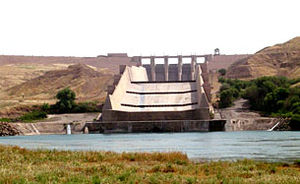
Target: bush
230,91
226,98
6,120
222,71
34,115
45,107
295,122
86,107
66,101
224,86
66,104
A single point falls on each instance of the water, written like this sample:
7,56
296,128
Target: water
69,129
259,145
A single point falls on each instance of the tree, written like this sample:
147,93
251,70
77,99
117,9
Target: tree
226,98
66,100
224,86
222,71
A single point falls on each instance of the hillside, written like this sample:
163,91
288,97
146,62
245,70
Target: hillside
110,62
281,60
15,74
85,81
88,84
15,70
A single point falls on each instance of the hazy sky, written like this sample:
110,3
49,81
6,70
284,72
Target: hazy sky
140,27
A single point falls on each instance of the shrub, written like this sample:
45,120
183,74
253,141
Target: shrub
222,71
86,107
66,104
224,86
226,98
34,115
6,120
66,100
45,107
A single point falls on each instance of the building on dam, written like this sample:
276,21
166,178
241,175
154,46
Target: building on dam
159,97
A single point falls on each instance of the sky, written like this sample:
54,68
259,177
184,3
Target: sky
144,27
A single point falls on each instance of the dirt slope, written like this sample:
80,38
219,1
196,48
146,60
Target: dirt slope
281,59
15,74
88,84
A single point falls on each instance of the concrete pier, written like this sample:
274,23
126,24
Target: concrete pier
166,68
152,64
180,68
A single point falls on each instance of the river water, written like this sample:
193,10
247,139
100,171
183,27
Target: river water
259,145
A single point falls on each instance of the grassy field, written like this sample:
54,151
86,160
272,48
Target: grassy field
19,165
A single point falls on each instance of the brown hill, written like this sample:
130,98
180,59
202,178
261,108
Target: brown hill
85,81
110,62
15,74
281,60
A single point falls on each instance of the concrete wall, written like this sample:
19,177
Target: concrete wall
186,72
122,83
138,74
47,128
120,90
224,61
241,124
115,115
160,72
203,102
148,70
173,72
157,126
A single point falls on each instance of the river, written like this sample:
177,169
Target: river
258,145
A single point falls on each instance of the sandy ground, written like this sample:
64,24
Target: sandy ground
240,109
69,118
239,118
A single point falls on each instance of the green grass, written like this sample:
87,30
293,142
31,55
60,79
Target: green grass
6,120
19,165
27,117
34,115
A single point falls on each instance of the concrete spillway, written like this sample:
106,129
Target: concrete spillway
158,98
134,97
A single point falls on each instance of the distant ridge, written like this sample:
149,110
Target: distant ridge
278,60
85,81
111,62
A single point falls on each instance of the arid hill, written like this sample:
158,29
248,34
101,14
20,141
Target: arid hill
110,62
281,60
85,81
89,85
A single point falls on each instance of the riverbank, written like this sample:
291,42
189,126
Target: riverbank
49,166
55,124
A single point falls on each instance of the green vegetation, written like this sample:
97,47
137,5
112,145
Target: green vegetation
222,71
34,115
231,90
66,100
27,117
50,166
66,104
6,120
271,95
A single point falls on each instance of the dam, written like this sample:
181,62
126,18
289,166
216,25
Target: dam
155,97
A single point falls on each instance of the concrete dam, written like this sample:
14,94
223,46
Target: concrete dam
159,98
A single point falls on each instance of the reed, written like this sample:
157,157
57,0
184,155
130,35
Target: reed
18,165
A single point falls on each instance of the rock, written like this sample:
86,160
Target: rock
6,129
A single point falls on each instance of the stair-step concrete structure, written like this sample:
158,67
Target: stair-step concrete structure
175,94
